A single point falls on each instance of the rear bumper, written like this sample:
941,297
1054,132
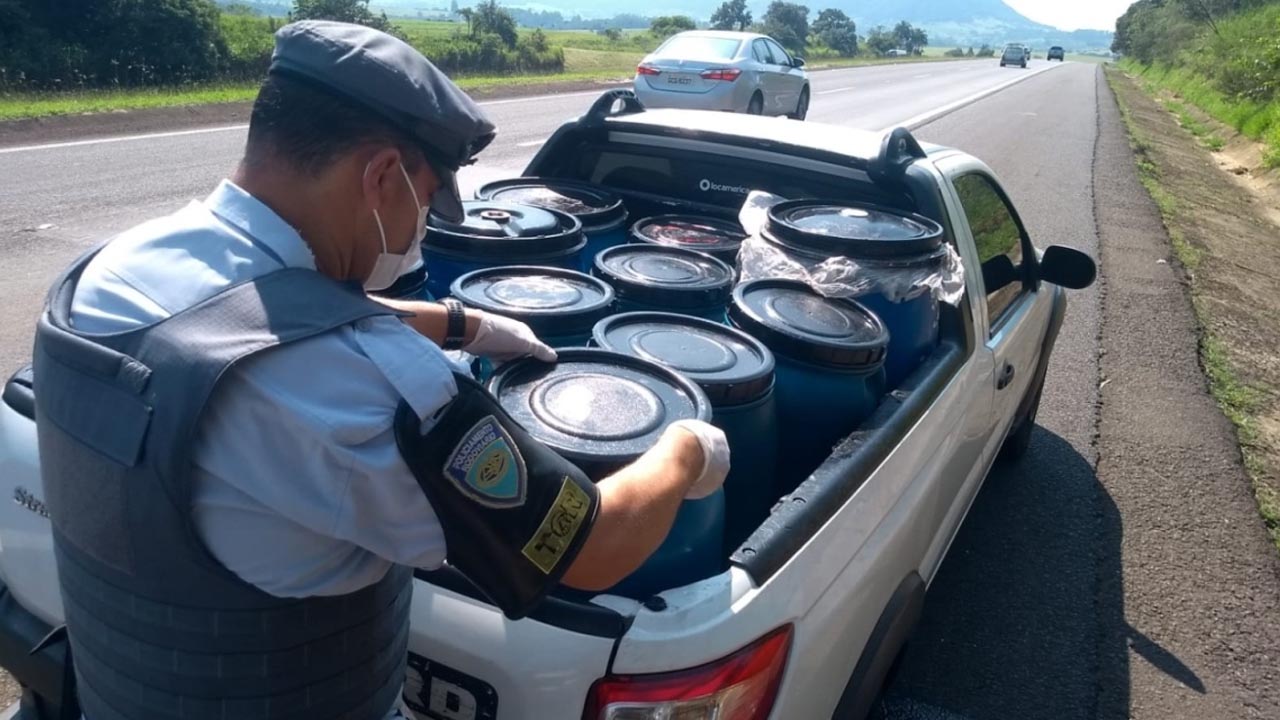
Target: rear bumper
44,674
732,96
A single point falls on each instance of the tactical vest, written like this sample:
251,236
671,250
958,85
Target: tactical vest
158,627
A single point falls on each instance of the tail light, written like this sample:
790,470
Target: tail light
741,686
647,70
729,74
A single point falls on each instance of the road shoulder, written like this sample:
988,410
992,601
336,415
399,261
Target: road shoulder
1200,578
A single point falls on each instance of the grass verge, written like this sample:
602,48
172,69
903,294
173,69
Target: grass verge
581,65
1232,325
1258,121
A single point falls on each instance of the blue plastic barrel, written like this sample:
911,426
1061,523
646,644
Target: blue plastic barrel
560,306
409,286
736,371
830,367
720,239
666,279
496,234
601,212
882,242
602,410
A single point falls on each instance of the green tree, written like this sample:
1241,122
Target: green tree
880,41
969,52
986,51
143,43
731,15
612,34
835,30
910,38
665,26
538,40
491,19
788,23
351,11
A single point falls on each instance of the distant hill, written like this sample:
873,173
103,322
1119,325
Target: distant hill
949,22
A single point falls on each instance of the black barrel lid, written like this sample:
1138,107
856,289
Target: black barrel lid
729,365
795,321
552,301
496,229
840,228
597,406
666,276
592,204
705,234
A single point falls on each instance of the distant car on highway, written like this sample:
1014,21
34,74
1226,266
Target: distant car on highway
1015,55
1057,53
720,70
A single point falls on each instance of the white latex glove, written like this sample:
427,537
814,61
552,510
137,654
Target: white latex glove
715,457
502,339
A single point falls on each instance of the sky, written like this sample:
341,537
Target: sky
1073,14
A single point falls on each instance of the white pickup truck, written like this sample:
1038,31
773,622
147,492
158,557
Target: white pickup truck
808,615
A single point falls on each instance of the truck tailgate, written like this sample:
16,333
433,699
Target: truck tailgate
468,662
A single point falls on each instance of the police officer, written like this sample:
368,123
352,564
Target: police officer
244,454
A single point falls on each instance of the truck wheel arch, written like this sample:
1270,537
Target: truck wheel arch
888,637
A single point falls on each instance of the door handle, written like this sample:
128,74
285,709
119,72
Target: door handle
1006,377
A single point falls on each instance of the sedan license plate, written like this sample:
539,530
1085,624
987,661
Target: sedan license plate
438,692
679,80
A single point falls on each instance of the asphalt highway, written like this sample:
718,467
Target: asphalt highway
57,198
1020,620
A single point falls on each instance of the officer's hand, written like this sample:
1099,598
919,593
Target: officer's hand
501,339
715,457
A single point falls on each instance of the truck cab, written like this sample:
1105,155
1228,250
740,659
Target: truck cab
806,616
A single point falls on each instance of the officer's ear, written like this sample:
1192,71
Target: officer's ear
382,181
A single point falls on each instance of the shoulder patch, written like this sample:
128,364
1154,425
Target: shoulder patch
487,467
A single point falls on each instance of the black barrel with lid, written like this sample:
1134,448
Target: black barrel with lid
666,279
560,306
736,371
601,410
494,234
720,239
601,211
884,242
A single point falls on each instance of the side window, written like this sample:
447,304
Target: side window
761,52
1000,243
780,56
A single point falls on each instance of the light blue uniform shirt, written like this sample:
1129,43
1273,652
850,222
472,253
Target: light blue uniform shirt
299,488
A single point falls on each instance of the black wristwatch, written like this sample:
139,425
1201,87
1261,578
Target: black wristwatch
455,333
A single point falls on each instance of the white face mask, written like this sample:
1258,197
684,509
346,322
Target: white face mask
389,266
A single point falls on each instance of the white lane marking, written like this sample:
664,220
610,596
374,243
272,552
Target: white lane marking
531,143
227,128
918,120
925,75
934,114
828,92
121,138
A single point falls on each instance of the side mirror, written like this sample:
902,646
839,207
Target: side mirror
1067,267
797,62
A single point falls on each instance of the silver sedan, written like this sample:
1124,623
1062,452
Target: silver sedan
733,71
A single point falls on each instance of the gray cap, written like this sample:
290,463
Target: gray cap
389,77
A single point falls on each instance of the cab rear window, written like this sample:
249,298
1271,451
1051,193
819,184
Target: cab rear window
708,179
693,47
